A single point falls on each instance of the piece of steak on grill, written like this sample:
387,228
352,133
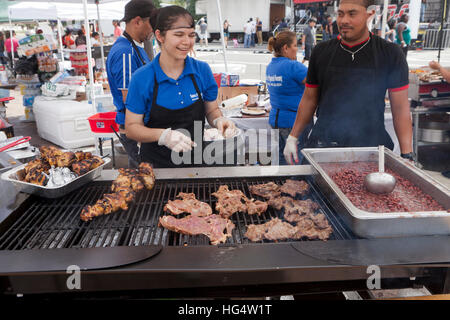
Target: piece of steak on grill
274,229
187,203
294,187
256,206
229,201
212,226
293,208
313,227
266,190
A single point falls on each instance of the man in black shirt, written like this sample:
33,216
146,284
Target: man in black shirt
347,82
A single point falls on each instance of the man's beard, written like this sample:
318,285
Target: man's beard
354,36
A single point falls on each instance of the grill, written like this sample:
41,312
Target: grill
127,253
48,224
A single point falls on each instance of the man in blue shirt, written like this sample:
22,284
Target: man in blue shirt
129,48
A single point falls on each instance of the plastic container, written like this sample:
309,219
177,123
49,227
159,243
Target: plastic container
64,122
102,122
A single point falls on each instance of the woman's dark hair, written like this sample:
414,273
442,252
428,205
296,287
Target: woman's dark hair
275,44
81,38
164,18
403,18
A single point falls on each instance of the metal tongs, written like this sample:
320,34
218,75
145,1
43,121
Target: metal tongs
15,143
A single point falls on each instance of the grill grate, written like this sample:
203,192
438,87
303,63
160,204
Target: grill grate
46,224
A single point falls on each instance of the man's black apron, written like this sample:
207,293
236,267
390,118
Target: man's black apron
351,107
161,117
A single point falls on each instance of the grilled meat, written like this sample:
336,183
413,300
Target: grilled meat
229,201
36,176
310,226
81,167
86,165
232,201
294,187
146,175
80,155
65,160
124,187
256,206
95,161
274,229
293,208
37,164
188,204
266,190
313,227
212,226
110,202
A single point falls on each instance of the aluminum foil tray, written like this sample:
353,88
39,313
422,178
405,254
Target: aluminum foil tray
52,192
387,224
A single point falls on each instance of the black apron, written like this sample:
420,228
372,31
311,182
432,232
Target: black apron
161,117
351,108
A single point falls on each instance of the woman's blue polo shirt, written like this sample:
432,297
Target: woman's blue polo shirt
284,80
172,94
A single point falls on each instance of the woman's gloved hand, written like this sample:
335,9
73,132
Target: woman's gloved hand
176,141
290,150
226,127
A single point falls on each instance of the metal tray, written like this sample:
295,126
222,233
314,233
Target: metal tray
7,162
52,192
388,224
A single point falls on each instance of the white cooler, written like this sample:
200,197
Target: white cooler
64,122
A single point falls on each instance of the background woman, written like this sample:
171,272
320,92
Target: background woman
286,79
169,98
226,32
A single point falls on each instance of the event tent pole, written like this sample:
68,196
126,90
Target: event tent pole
89,54
384,19
11,39
60,34
441,27
101,37
219,10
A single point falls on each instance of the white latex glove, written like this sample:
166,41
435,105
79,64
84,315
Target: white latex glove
290,150
226,127
176,141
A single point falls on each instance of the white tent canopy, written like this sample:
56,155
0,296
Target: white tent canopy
50,10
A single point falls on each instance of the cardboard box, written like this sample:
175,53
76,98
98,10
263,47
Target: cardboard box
80,96
230,92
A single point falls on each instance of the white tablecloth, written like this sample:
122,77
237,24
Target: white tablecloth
263,123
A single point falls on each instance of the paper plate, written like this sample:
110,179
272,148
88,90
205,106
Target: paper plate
253,112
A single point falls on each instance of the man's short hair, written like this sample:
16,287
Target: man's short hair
366,3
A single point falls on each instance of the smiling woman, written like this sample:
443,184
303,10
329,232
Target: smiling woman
170,97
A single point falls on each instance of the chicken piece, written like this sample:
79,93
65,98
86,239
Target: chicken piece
49,153
66,159
116,201
36,176
38,164
136,184
81,167
146,175
95,162
121,182
80,155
